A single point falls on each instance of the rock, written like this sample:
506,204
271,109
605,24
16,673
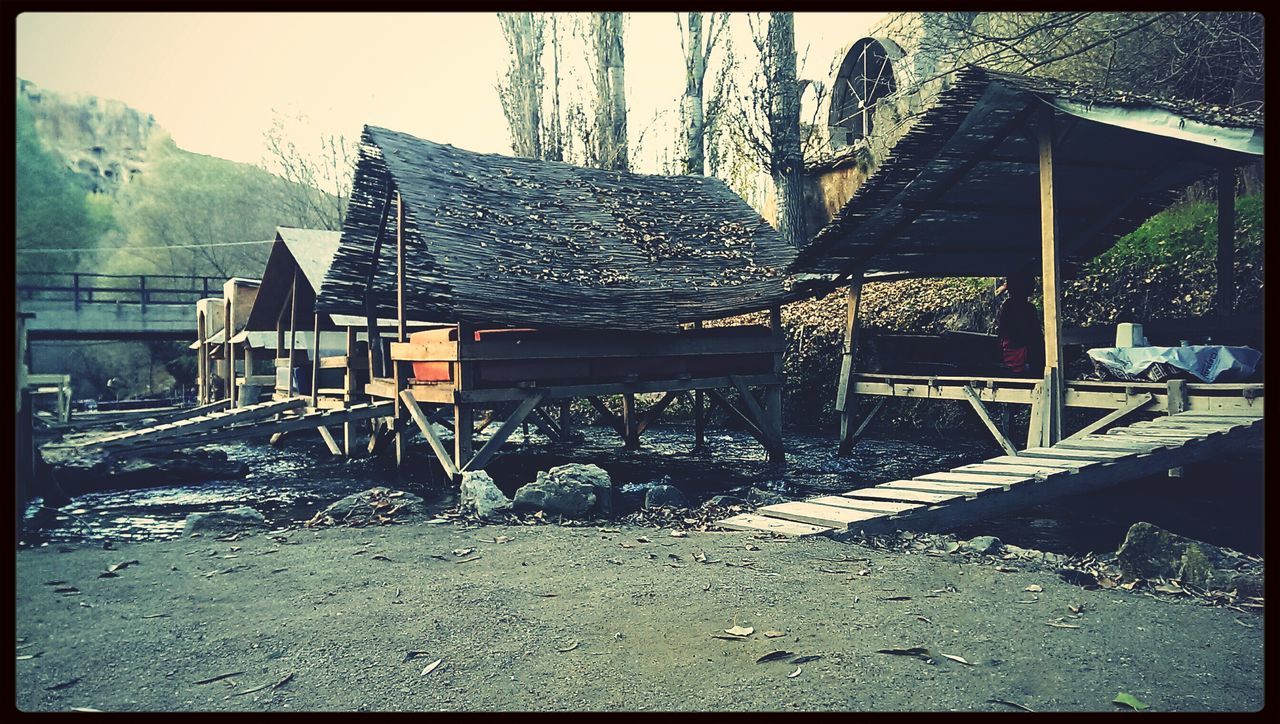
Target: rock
577,474
1149,551
761,496
987,545
665,496
224,521
373,505
559,493
723,501
480,496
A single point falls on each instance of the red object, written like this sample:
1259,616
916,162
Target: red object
1014,358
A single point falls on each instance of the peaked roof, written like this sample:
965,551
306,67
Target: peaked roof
305,252
496,239
958,194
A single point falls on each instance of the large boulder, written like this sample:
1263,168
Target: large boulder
665,496
568,490
224,521
375,505
1149,551
480,496
987,545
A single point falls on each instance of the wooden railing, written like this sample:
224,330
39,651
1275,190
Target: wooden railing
141,289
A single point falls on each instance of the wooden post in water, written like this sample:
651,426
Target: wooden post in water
631,436
844,389
398,367
1049,275
1226,240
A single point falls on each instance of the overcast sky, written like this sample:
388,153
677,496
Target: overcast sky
214,81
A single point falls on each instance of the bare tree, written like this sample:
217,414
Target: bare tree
697,49
318,179
610,95
521,89
554,144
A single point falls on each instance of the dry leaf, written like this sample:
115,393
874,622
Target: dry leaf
728,637
431,667
1033,588
740,631
1059,624
460,552
773,634
679,534
917,651
794,674
958,659
380,557
775,656
568,648
219,677
805,659
1013,704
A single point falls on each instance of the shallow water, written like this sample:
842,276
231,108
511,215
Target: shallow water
290,483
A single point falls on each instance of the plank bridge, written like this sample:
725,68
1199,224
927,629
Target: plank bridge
112,306
1082,463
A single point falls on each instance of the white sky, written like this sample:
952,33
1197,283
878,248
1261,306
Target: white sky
213,80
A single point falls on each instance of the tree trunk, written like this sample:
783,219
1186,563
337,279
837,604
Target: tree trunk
521,95
695,62
786,163
611,101
555,145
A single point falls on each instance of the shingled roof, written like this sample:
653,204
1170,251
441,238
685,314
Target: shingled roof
496,239
306,252
958,193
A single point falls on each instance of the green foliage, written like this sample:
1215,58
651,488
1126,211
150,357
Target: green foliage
52,211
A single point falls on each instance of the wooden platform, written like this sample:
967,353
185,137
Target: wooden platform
972,492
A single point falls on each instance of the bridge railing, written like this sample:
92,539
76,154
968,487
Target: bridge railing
145,290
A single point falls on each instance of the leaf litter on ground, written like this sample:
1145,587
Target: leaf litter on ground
1129,700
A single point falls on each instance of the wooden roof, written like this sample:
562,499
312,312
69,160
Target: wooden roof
958,194
496,239
304,252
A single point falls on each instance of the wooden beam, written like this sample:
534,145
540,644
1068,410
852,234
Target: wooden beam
502,433
1177,396
399,369
614,421
718,398
699,412
1138,403
463,413
544,423
773,395
1226,240
847,442
1049,276
315,361
415,412
772,434
651,415
631,433
370,308
329,441
293,327
348,390
981,409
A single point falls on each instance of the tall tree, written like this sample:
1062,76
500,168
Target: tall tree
697,48
786,163
554,145
521,91
611,98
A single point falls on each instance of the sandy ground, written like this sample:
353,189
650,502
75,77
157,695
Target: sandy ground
555,618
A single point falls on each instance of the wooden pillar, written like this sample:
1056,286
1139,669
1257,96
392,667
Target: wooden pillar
293,327
398,367
248,371
1226,240
565,418
202,361
773,394
844,396
315,361
631,433
1049,275
699,412
348,389
463,414
228,364
1177,395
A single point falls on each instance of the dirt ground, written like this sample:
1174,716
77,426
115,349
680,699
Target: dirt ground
579,618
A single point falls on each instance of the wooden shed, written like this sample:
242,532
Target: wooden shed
556,282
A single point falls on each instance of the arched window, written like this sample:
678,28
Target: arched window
865,76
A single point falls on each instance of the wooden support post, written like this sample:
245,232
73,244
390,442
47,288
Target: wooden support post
315,362
565,419
773,435
718,398
1177,396
981,409
293,327
630,425
202,361
370,305
773,393
608,416
857,434
1049,268
248,373
399,369
229,364
1136,404
349,390
415,412
463,414
1035,428
1226,240
502,433
329,442
699,412
844,388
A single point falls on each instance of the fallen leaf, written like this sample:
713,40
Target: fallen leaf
67,590
773,634
740,631
86,604
155,615
775,656
287,678
1033,588
411,655
472,558
460,552
924,618
568,648
1106,583
897,598
86,709
431,667
958,659
125,564
794,674
916,651
1130,701
642,539
1006,569
679,534
108,574
54,583
1059,624
752,547
727,637
64,685
805,659
1076,608
1013,704
503,539
28,657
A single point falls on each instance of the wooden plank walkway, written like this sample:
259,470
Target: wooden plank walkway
970,493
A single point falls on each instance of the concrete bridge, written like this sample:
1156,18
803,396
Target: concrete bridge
112,306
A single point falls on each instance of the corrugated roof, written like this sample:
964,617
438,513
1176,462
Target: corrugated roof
495,239
958,193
